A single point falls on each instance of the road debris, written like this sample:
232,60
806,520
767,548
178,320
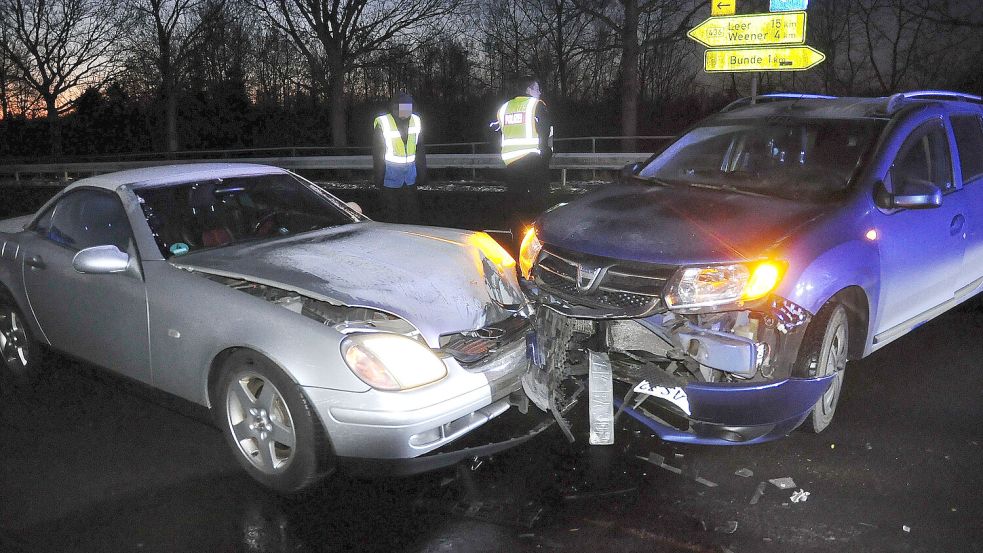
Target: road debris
758,492
728,527
744,472
800,496
705,482
660,461
906,528
785,483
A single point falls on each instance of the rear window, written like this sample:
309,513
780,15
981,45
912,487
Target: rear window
969,141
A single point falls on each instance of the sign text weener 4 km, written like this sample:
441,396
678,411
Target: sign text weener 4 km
751,30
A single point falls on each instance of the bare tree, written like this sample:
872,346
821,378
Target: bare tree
60,47
336,36
164,35
623,18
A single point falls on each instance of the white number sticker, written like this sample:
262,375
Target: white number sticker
674,395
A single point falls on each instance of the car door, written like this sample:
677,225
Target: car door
967,129
101,318
921,250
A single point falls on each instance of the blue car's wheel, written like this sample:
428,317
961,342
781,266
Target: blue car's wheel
829,352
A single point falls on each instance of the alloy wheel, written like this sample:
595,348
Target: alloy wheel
260,422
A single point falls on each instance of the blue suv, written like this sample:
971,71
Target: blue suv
730,278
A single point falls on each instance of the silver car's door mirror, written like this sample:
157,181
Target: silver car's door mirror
354,206
101,260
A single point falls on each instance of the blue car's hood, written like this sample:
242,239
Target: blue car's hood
435,278
673,225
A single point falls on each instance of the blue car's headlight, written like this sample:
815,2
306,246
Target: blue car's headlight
391,362
716,285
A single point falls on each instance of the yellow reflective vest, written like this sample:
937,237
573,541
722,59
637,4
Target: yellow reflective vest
397,151
517,120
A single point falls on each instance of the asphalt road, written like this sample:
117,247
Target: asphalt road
91,463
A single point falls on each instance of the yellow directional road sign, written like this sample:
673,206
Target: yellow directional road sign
751,30
723,7
792,58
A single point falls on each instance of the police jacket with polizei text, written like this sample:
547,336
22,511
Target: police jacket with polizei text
379,153
544,126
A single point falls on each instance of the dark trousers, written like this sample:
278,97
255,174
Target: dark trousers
527,185
401,205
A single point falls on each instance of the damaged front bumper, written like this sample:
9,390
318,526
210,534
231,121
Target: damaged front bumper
725,414
726,377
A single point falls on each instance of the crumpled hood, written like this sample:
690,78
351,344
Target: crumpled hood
674,225
432,277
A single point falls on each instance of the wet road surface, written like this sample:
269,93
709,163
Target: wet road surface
92,463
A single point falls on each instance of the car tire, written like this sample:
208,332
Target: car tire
20,354
269,424
828,351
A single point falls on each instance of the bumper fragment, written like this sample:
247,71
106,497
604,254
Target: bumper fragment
728,414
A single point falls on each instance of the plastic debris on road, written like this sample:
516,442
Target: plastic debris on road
758,492
744,472
728,527
785,483
800,496
906,528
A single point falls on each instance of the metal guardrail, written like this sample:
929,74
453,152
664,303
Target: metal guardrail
563,162
308,151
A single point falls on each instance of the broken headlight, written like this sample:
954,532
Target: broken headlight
529,251
717,285
391,362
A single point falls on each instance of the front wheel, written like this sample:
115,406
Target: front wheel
273,432
19,352
828,357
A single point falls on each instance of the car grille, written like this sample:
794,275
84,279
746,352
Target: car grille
620,289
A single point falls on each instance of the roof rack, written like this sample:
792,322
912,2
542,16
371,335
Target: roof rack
896,101
774,97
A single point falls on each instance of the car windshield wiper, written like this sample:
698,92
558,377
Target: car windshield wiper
727,188
653,180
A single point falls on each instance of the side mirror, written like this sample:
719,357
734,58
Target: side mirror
916,194
354,206
628,171
101,260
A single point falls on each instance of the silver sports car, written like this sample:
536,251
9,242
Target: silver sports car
312,333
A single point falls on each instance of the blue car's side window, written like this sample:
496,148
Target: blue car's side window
969,143
924,158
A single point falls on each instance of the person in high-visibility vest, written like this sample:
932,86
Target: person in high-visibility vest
526,146
399,160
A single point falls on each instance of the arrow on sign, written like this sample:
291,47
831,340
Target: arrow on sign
722,7
751,30
740,60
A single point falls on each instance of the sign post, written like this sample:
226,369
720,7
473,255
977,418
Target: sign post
756,42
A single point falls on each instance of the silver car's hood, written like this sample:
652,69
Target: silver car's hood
435,278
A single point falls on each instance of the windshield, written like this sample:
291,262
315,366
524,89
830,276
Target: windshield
220,212
795,158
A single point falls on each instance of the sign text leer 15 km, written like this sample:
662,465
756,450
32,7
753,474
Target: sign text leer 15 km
751,30
791,58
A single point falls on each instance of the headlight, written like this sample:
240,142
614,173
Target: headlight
715,285
529,251
390,361
491,249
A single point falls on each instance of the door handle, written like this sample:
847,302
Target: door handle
956,226
35,262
